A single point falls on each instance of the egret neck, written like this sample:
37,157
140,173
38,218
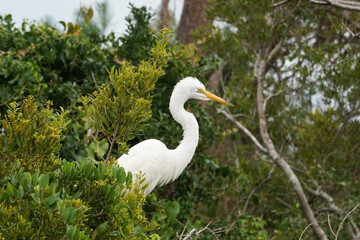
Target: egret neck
182,155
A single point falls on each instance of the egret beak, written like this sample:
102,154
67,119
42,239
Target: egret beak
215,98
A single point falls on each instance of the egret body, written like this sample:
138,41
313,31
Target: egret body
152,158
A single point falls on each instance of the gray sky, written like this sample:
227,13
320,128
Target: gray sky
64,10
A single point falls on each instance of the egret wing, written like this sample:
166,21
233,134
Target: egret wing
146,157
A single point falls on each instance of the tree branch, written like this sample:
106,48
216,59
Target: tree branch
342,4
242,128
320,234
351,226
270,96
197,233
112,142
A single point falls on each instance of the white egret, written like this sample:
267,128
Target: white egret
152,158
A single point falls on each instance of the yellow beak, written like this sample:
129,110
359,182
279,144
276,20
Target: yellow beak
215,98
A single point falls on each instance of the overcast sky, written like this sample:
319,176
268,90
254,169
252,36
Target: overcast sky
64,10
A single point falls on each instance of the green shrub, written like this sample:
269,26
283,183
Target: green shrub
31,137
79,200
42,197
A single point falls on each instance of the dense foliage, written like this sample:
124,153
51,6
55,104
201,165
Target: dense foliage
43,196
73,98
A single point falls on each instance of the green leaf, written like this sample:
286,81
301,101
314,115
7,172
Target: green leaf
52,199
155,237
25,179
72,215
66,214
20,192
102,227
43,180
121,175
172,209
72,232
102,148
90,150
128,179
35,178
63,24
11,191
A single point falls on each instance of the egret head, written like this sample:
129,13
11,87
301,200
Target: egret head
196,90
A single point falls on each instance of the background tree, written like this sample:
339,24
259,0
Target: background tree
298,55
164,13
193,16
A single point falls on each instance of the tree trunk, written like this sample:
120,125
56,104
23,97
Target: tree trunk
193,16
164,13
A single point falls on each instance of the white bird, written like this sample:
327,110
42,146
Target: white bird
152,158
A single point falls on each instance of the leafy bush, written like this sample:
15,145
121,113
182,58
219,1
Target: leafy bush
32,136
44,62
79,200
41,197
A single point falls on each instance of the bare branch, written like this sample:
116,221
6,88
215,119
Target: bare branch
273,52
243,128
279,3
286,204
192,232
353,35
334,208
256,65
197,233
112,142
272,95
342,4
183,231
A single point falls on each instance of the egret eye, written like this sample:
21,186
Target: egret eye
200,90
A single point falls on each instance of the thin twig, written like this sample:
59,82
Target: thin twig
305,230
195,232
279,3
332,231
272,95
286,204
112,142
342,222
183,231
350,31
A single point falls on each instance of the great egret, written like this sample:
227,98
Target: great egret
152,158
